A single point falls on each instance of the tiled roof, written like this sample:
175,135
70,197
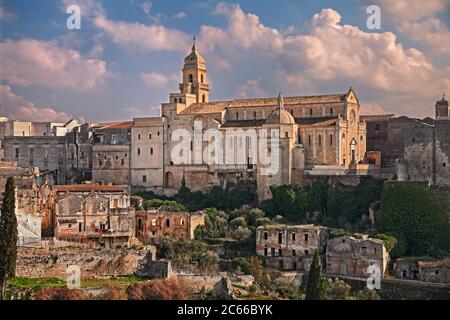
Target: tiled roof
377,117
215,107
320,121
115,125
88,188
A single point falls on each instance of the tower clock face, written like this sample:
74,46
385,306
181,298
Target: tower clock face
352,117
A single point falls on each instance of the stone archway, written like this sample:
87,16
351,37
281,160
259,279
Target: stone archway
170,180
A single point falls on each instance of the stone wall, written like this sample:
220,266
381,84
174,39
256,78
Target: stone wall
41,263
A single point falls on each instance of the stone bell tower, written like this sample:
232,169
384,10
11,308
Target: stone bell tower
195,76
442,109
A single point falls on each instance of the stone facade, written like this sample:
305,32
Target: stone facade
111,153
93,214
423,269
153,225
53,263
351,256
290,247
413,149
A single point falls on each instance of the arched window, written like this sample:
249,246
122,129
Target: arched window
139,151
191,78
203,98
139,136
151,151
320,139
150,136
201,78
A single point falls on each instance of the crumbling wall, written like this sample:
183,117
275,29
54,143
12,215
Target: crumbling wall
40,263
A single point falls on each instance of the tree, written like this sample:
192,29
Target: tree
8,236
315,289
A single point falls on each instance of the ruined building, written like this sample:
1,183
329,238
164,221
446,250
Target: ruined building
352,256
153,225
413,149
287,247
95,214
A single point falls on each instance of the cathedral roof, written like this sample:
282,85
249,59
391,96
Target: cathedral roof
219,106
280,115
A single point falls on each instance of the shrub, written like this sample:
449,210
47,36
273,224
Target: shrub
62,293
160,289
241,233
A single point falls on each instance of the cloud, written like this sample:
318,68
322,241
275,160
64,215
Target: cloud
417,20
322,57
250,89
179,15
143,37
370,108
32,62
5,15
155,79
17,107
412,10
146,7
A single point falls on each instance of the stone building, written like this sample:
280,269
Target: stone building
319,135
153,225
290,247
111,153
352,256
423,269
93,214
413,149
62,153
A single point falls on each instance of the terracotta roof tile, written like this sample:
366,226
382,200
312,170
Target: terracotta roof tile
116,125
217,107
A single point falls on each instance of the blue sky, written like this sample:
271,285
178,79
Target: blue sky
128,55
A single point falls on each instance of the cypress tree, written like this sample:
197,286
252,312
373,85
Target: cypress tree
315,290
8,236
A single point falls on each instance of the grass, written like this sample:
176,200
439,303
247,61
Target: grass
36,284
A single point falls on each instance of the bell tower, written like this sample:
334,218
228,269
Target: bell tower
442,109
195,76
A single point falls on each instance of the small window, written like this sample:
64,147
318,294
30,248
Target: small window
150,136
157,133
377,127
280,252
139,136
310,112
203,98
191,78
293,237
306,237
331,139
122,162
254,114
293,253
280,237
266,252
139,151
331,111
144,178
306,252
151,151
444,164
320,139
167,223
266,236
201,79
309,139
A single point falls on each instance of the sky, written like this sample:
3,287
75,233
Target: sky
128,55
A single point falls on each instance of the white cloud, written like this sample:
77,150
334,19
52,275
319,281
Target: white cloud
17,107
32,62
179,15
155,79
143,37
412,10
416,19
324,56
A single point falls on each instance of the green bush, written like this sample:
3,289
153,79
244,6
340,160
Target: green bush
172,205
419,213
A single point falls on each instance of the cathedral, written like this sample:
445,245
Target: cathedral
316,135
